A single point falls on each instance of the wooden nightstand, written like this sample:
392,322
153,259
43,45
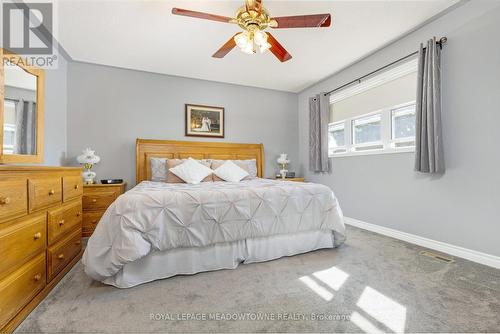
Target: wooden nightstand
294,179
96,199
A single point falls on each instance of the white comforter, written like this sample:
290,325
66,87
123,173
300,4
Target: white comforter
156,216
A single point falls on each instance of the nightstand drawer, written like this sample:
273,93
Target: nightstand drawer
20,241
90,220
63,220
59,255
44,192
20,287
13,197
72,187
95,200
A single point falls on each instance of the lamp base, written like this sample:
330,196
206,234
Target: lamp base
88,177
283,173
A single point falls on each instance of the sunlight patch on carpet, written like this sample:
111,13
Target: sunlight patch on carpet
383,309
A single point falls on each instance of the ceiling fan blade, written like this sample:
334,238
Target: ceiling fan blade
224,50
277,49
201,15
303,21
254,4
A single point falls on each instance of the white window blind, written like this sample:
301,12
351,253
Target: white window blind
376,115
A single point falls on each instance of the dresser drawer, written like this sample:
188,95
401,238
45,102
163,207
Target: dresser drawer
20,241
72,187
59,255
13,197
90,220
20,287
94,200
63,220
44,192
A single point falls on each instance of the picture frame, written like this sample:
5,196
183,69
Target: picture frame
204,121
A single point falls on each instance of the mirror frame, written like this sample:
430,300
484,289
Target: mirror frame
6,55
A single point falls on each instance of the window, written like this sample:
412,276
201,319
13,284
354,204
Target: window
336,138
376,115
403,126
390,130
366,133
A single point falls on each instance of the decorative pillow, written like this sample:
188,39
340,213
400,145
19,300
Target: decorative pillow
217,163
252,167
172,178
249,165
191,171
158,169
229,171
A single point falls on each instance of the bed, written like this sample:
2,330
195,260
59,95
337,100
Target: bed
158,230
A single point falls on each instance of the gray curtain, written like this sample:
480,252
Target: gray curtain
319,113
25,127
429,156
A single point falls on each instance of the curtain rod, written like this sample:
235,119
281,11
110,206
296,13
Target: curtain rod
441,41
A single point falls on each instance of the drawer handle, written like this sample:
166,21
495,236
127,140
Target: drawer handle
52,192
77,186
4,200
94,200
37,235
78,242
37,277
78,214
61,222
60,256
94,221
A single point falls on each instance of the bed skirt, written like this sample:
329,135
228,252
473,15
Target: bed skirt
185,261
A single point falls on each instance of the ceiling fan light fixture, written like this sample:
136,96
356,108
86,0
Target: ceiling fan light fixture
242,40
264,47
248,49
253,19
260,37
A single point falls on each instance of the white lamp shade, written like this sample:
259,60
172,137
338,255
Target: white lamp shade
88,157
260,37
283,159
242,40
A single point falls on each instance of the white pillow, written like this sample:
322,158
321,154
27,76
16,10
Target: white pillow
229,171
252,166
191,171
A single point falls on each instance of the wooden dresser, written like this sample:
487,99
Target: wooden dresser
96,199
40,235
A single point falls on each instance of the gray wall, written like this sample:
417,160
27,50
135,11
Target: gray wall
55,114
108,108
461,207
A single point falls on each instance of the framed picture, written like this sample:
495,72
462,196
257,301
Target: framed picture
204,121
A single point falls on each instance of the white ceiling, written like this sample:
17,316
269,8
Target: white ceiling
144,35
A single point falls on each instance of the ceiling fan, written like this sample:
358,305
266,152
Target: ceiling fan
253,18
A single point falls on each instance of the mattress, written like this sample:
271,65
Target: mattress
156,218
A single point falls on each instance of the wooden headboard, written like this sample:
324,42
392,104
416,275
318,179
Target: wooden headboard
145,149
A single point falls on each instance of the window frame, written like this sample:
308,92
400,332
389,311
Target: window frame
387,143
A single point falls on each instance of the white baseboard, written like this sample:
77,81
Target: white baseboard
469,254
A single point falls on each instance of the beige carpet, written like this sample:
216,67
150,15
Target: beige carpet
372,283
